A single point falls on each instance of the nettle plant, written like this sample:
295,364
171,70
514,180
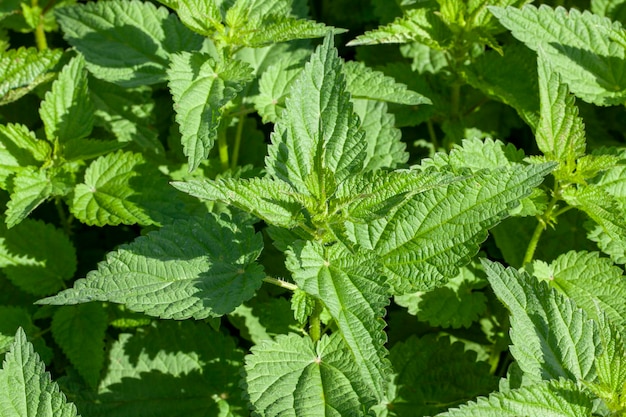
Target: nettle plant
290,254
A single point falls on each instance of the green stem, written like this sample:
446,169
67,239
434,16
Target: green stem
280,283
222,146
40,33
543,220
237,145
432,134
66,222
315,322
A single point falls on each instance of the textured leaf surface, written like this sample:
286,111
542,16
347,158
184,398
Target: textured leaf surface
611,364
201,16
592,282
27,389
23,69
354,292
424,370
199,267
126,42
317,132
281,29
363,82
201,87
426,240
30,188
37,257
67,111
19,148
272,201
79,331
551,338
579,46
123,188
547,399
291,376
171,368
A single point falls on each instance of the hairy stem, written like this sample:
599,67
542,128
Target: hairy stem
548,216
40,33
237,145
280,283
222,146
315,322
66,221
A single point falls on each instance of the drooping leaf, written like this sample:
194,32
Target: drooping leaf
424,370
292,376
551,338
122,187
23,69
363,82
27,389
269,200
29,189
166,369
37,257
318,132
580,46
199,267
67,111
126,42
201,87
354,292
549,398
591,281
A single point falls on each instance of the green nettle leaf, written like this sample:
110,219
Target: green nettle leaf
27,389
302,305
122,187
201,87
79,331
201,16
354,291
19,148
579,46
127,113
29,188
37,257
126,42
199,267
611,365
292,376
551,337
363,82
560,133
11,319
592,282
169,368
86,149
424,370
422,25
269,200
280,29
67,111
23,69
548,398
425,240
318,132
259,319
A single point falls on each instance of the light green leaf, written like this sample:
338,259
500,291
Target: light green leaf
30,188
455,304
201,87
551,337
579,46
122,187
126,42
560,133
23,69
79,331
27,389
127,113
385,148
37,257
261,319
545,399
318,132
302,305
425,240
67,111
294,377
172,368
611,364
269,200
353,290
198,267
422,25
364,82
592,282
424,370
19,148
201,16
280,29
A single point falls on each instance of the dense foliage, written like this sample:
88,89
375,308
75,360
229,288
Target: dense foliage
322,208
